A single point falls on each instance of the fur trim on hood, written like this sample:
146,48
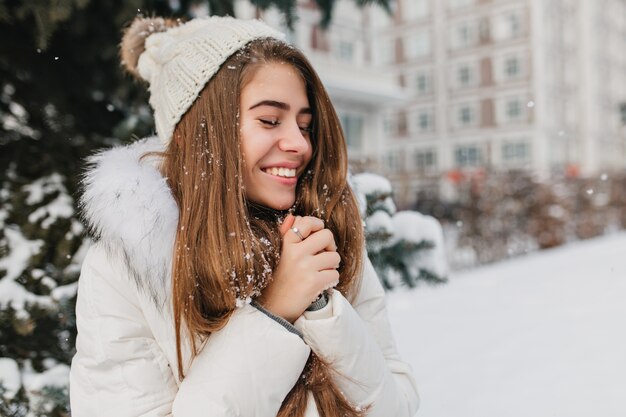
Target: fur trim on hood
129,208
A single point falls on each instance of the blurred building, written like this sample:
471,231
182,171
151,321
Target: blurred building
505,84
448,89
343,57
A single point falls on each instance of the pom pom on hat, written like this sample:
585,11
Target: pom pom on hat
134,40
178,59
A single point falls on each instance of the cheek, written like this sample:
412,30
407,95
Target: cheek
248,146
309,155
255,145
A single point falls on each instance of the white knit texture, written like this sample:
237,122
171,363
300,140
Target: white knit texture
178,63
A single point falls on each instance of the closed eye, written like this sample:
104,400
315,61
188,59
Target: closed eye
270,122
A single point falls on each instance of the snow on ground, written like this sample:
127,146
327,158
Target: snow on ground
541,335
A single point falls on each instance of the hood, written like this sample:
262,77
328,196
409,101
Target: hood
128,207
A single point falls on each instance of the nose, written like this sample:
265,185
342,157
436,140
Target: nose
294,140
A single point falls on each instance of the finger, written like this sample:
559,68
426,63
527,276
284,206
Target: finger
327,279
309,225
326,260
287,224
290,235
306,226
322,240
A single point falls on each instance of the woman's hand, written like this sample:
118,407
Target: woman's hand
306,267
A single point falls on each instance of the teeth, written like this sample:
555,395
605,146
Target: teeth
281,172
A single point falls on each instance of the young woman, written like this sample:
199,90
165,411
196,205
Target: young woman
228,276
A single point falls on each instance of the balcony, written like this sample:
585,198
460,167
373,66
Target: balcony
361,85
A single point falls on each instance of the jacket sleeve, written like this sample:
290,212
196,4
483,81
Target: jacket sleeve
245,369
357,341
118,369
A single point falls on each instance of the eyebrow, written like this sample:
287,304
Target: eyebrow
279,105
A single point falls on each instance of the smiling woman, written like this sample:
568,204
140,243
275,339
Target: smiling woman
275,134
229,277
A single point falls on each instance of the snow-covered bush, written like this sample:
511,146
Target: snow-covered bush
503,214
40,252
405,247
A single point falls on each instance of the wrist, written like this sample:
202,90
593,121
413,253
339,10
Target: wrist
319,303
287,325
276,310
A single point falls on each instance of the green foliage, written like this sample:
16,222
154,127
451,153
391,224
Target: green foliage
46,18
13,406
326,7
398,258
62,95
392,256
286,7
54,402
51,401
510,213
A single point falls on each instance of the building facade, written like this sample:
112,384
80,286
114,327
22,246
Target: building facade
448,89
501,85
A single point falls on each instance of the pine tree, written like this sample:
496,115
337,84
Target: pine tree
404,245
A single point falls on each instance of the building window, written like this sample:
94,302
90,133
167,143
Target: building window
417,44
394,161
466,115
513,109
395,124
512,67
484,30
345,51
508,25
465,75
387,51
514,24
425,121
425,160
389,125
352,125
422,83
464,34
402,123
468,156
319,40
515,152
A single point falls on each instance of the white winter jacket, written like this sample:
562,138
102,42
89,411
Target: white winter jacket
126,362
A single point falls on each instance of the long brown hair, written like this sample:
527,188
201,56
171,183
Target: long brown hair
226,248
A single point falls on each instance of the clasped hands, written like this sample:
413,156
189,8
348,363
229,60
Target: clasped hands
307,266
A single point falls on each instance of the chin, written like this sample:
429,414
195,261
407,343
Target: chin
277,205
281,199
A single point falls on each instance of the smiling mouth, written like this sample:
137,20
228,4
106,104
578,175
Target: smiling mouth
281,172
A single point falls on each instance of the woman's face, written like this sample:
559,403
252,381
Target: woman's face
275,120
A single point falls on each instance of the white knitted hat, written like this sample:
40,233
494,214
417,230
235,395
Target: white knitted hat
178,62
